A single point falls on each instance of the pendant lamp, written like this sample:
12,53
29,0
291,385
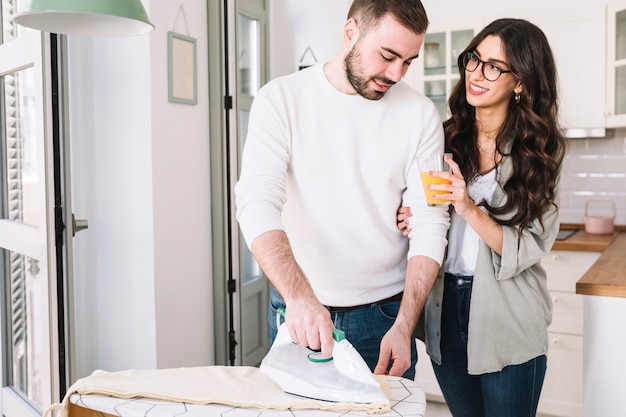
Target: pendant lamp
87,17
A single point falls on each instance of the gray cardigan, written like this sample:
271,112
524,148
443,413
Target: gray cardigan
510,306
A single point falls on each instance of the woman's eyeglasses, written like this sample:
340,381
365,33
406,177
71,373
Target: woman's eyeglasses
491,71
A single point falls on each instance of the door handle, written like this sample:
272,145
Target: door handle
78,225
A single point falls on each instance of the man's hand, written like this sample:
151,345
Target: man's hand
310,325
395,350
395,347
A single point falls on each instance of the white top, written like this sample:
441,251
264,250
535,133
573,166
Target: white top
464,241
331,170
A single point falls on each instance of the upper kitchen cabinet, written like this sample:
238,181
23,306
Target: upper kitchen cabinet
616,64
436,71
577,38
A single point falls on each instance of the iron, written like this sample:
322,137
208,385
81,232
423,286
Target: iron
300,371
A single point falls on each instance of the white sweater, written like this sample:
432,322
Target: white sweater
331,170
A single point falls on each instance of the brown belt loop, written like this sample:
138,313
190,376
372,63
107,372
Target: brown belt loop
397,297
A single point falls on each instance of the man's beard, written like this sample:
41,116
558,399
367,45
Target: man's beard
354,69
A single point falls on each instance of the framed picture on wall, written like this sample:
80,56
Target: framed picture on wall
182,69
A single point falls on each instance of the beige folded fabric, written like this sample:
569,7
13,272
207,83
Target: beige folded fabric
237,386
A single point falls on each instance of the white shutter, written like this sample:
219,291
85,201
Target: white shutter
27,275
13,149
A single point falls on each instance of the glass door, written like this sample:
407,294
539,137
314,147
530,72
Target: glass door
253,285
620,59
441,50
616,64
241,291
436,72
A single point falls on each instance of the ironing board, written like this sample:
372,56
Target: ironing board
407,400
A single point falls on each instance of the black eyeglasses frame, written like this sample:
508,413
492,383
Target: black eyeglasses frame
469,55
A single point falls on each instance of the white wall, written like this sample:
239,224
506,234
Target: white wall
140,173
296,25
111,167
442,11
182,204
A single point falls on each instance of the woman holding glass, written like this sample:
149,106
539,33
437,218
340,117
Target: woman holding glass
487,316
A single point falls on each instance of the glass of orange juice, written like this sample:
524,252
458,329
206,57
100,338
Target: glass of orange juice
433,163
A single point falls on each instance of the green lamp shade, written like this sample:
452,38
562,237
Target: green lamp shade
87,17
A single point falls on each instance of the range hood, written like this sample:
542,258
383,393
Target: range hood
592,132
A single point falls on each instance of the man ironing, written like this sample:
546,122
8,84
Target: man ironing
328,159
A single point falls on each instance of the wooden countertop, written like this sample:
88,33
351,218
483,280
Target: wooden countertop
607,276
583,241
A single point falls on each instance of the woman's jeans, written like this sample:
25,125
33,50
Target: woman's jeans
513,391
364,328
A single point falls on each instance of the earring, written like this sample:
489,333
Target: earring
517,98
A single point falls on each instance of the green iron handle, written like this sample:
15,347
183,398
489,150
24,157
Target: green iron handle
338,335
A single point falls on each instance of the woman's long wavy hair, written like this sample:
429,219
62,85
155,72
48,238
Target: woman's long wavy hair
531,125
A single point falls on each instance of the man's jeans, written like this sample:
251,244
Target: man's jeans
364,328
513,391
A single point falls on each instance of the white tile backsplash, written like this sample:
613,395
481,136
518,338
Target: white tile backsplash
594,169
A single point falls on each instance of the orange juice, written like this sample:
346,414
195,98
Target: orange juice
428,180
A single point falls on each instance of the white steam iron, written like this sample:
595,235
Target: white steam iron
344,377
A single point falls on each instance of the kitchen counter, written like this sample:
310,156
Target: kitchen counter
603,289
607,277
587,242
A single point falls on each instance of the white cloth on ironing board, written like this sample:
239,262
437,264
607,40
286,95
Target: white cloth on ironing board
239,386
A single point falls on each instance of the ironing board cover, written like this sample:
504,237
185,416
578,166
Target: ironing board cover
239,386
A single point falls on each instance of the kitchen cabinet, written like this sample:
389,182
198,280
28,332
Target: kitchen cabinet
616,64
562,391
577,39
577,36
436,72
